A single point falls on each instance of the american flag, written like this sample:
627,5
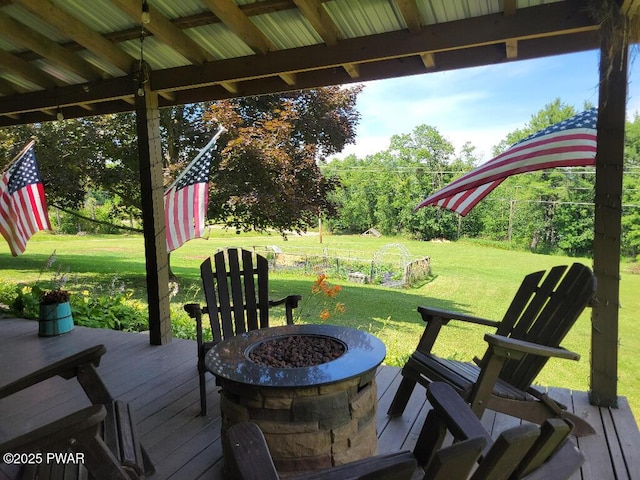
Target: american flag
185,201
570,143
23,207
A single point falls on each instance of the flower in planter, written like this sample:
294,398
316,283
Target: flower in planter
51,297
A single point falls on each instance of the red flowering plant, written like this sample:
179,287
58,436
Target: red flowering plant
322,301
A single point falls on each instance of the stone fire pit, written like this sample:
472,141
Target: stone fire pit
313,416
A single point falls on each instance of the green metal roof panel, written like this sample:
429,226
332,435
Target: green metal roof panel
34,22
58,71
219,41
356,18
287,29
157,55
100,15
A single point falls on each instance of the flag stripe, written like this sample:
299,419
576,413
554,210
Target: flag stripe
23,207
464,201
572,142
185,202
511,164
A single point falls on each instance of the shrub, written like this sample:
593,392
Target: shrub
114,310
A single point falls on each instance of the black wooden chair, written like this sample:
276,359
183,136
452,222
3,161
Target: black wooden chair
451,445
104,433
542,312
236,289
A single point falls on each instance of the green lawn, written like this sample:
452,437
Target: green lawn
467,276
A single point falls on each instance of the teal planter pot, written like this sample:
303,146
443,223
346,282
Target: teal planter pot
55,319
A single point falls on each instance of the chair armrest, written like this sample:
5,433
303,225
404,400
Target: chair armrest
500,350
65,368
436,318
192,309
450,413
460,420
289,301
513,348
61,430
195,311
446,315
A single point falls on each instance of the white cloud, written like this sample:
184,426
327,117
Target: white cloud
479,105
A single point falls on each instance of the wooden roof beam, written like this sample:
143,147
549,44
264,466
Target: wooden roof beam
511,45
353,69
410,14
168,95
27,104
537,22
231,87
630,7
166,31
512,49
320,20
429,60
50,50
70,26
7,88
26,70
509,7
289,78
239,23
324,26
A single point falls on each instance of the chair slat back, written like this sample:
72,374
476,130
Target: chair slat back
505,454
224,299
552,309
250,290
553,433
234,284
236,291
206,272
263,290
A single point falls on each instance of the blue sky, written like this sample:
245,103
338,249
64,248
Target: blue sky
480,105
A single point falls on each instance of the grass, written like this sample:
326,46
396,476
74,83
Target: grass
467,276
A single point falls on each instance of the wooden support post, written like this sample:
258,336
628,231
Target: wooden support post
155,242
608,214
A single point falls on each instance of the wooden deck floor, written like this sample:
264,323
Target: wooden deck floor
161,383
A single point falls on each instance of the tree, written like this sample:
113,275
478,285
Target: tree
382,190
552,209
631,190
355,198
267,174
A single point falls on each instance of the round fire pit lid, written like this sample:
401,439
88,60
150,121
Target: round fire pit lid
229,358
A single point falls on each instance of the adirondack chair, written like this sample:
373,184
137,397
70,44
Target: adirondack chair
542,312
524,452
104,433
237,296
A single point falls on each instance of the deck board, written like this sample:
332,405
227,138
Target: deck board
162,385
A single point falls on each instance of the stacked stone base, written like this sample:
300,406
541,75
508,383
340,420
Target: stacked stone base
308,428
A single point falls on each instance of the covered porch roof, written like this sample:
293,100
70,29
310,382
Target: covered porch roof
72,58
82,59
